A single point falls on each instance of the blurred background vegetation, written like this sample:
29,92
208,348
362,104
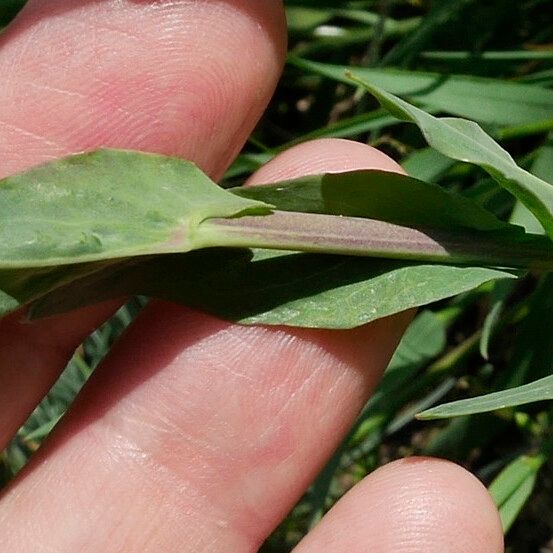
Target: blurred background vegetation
489,61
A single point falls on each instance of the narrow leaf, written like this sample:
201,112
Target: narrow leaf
424,339
542,168
465,141
441,13
499,296
301,20
490,101
276,288
539,390
512,488
494,55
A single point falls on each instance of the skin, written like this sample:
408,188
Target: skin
195,435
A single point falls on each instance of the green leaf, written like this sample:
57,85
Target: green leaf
21,286
532,352
501,292
490,101
143,204
465,141
277,288
135,204
539,390
433,222
542,168
424,339
8,303
304,19
324,291
501,55
531,358
377,195
427,164
441,13
512,488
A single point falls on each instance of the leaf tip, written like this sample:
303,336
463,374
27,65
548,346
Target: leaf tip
428,415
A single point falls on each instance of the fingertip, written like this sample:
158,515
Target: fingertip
325,155
442,502
416,504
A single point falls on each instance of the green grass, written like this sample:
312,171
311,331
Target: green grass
490,339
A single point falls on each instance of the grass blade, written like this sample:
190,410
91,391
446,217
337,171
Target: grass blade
512,488
539,390
442,12
490,101
499,296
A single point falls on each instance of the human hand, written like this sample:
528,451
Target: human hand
195,435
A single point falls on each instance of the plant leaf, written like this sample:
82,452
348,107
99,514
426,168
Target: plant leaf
532,350
276,288
441,13
380,195
305,19
512,488
427,164
490,101
542,168
136,204
21,286
465,141
499,296
424,339
294,289
539,390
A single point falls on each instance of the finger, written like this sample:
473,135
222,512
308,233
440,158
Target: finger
326,155
223,426
414,505
176,77
143,74
32,355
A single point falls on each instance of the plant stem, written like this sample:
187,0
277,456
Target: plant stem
367,237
